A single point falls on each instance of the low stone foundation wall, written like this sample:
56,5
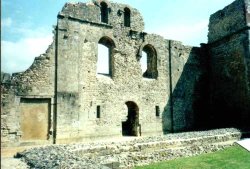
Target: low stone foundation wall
127,154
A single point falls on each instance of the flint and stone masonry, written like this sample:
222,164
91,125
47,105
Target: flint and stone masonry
63,97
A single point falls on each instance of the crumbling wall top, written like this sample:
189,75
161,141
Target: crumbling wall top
247,2
114,13
229,20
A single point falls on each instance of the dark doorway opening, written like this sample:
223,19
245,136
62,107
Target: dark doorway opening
131,126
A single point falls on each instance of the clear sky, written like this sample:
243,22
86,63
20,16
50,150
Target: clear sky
27,25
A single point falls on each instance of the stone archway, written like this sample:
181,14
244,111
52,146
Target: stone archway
131,126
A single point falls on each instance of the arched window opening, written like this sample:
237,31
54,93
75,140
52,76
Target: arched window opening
105,52
151,57
126,17
104,12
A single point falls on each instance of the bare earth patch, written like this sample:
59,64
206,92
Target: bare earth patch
13,163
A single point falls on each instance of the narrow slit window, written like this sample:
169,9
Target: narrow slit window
104,12
126,17
98,112
157,111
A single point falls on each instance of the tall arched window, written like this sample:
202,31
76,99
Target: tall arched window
105,53
151,64
127,17
104,12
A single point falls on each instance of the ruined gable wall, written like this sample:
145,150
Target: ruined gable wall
228,43
38,79
81,89
78,53
35,82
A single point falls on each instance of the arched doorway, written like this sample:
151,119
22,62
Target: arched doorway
131,126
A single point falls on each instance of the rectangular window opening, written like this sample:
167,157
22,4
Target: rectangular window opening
98,112
157,111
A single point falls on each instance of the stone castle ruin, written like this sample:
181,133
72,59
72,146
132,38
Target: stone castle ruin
63,97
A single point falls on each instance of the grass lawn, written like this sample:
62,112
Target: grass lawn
234,157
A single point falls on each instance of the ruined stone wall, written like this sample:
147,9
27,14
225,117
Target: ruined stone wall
186,75
182,88
228,43
10,131
80,89
80,82
90,13
37,82
186,72
128,154
68,70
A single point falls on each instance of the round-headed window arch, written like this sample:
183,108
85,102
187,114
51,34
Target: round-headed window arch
127,17
104,12
149,62
105,56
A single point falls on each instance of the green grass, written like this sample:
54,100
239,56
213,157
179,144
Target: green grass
234,157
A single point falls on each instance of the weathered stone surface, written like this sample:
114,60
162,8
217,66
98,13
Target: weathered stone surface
229,62
227,21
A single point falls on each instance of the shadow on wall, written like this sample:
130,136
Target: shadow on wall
187,106
202,96
229,89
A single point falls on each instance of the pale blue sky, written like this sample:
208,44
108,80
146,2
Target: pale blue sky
27,25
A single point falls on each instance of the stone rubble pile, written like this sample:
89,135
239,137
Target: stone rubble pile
54,157
126,154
